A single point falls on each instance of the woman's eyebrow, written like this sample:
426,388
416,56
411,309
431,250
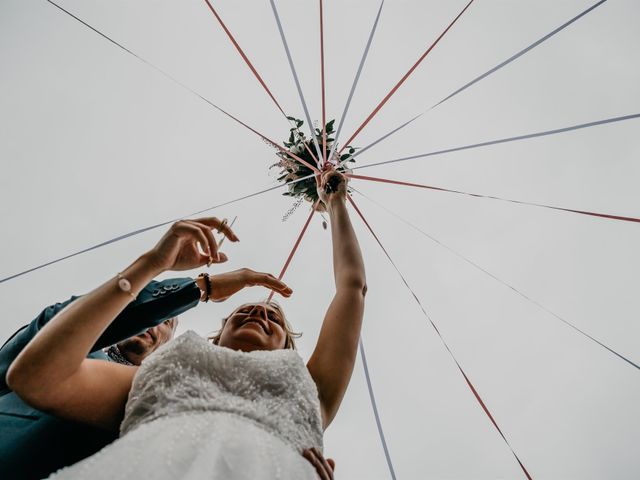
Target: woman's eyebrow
269,311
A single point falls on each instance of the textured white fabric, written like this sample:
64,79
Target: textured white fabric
199,411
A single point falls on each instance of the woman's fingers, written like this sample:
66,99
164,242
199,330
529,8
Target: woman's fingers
201,234
189,255
212,245
333,185
183,245
334,182
220,225
196,233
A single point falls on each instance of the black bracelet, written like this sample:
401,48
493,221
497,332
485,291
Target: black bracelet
207,285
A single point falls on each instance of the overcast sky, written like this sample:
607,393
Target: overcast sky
95,144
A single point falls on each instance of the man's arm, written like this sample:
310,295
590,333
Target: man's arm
157,302
53,374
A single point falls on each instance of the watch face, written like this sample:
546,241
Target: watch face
124,285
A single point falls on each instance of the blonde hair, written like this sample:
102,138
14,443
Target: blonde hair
290,334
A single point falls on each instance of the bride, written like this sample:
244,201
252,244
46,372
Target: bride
241,407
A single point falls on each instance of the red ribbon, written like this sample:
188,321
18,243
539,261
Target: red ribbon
402,80
244,56
295,248
470,385
430,187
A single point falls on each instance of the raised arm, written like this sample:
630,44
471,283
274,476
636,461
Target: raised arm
157,302
331,363
52,374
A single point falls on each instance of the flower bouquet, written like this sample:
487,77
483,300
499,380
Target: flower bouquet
292,170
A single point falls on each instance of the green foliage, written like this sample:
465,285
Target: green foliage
291,169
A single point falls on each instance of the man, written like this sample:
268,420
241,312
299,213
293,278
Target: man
34,444
135,349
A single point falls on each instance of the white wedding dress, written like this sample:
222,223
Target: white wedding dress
199,411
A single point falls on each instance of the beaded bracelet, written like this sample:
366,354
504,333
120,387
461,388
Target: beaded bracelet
207,285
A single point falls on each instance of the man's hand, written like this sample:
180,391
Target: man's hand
224,285
324,467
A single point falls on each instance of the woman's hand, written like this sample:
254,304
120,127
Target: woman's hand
190,244
333,187
226,284
333,359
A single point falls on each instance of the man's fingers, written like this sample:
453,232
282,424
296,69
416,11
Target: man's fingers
332,463
325,462
269,281
310,455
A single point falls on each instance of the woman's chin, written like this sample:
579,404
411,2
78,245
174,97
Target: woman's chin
246,340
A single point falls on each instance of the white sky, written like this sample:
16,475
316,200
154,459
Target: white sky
95,144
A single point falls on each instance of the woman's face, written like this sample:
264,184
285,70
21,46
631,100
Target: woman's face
254,326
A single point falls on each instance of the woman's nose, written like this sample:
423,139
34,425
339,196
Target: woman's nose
260,310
